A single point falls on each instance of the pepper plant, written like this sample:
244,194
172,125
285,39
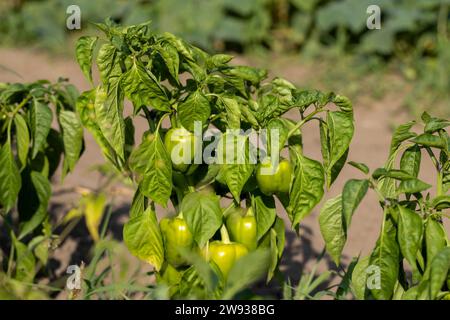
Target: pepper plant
225,210
411,259
31,150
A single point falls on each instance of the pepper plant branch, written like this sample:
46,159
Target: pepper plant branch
306,119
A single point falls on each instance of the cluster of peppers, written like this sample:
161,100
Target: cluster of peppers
238,233
238,237
278,181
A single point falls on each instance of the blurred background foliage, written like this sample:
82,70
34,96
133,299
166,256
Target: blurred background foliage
413,41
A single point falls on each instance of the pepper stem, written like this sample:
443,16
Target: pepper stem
180,215
224,234
173,122
249,212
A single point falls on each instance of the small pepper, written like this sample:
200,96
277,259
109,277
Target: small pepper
176,235
242,227
274,180
181,145
225,253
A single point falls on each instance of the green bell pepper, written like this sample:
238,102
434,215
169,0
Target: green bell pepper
224,253
176,235
274,179
241,226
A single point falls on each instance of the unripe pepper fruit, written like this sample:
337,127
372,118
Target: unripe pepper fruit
176,235
224,253
241,226
274,179
186,144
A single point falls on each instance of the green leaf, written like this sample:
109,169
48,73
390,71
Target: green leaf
359,278
282,127
10,181
238,169
138,204
72,135
246,271
441,202
181,46
435,238
340,132
435,124
307,188
138,159
142,88
352,195
279,228
40,246
343,103
109,115
248,115
435,275
94,208
23,139
360,166
410,230
203,269
253,75
411,293
345,284
143,238
218,60
84,52
391,173
233,112
388,186
157,177
42,189
108,62
194,108
274,253
202,214
41,121
86,112
386,257
438,271
265,213
41,251
429,140
412,186
401,134
410,161
25,262
332,227
170,56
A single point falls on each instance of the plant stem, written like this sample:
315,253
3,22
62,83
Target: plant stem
161,120
11,257
232,205
439,183
439,187
306,119
224,234
433,158
13,113
20,106
374,185
150,119
107,219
